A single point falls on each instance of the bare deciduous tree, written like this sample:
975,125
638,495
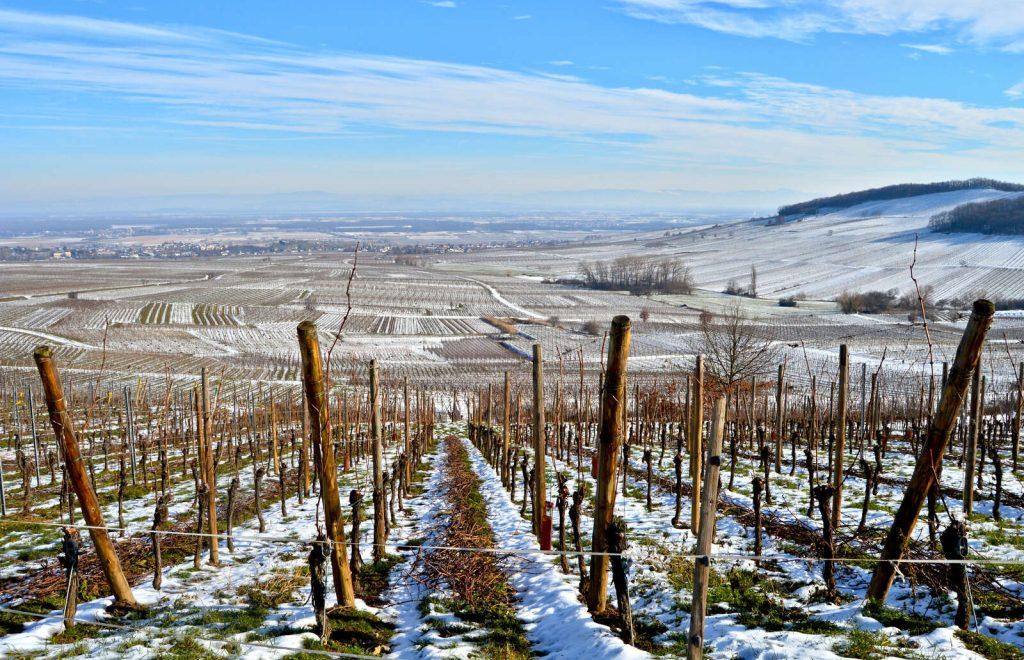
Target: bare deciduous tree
735,348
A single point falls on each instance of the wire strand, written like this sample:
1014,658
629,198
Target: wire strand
115,626
529,551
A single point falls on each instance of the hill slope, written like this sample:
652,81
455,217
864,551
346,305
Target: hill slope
898,191
1004,215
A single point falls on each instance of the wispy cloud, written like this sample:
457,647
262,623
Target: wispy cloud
522,17
935,49
445,4
760,128
986,22
561,62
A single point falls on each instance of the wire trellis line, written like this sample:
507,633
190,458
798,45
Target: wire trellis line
401,547
115,626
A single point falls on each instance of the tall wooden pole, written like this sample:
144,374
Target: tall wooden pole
930,459
379,504
304,445
539,441
705,535
506,436
696,441
320,433
208,469
1015,440
613,396
971,458
779,416
408,441
840,446
61,422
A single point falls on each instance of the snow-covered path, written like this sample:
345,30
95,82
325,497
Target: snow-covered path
503,300
557,624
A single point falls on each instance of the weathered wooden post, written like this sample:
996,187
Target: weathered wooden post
506,437
840,444
408,441
1015,440
971,451
320,432
380,534
61,422
613,396
3,495
35,433
967,354
696,441
780,414
208,469
705,535
539,442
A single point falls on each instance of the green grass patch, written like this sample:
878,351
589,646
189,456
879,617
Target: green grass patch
989,647
817,627
373,578
866,645
187,648
913,624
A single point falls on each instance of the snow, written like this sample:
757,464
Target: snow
557,624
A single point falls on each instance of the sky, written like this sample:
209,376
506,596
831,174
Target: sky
463,104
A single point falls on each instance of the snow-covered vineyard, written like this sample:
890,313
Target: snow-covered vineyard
356,515
232,473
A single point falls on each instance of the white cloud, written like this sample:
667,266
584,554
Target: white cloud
936,49
522,17
982,22
445,4
758,130
561,62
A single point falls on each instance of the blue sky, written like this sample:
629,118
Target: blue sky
667,103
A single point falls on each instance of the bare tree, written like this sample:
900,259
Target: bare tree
735,348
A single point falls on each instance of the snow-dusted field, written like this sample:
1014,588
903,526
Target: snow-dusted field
453,325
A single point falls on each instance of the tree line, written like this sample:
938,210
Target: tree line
897,191
638,275
996,216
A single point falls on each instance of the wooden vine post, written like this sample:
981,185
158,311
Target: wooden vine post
696,441
705,535
61,422
1015,428
408,441
505,434
971,450
539,484
209,471
840,444
928,462
320,433
380,532
613,398
780,416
